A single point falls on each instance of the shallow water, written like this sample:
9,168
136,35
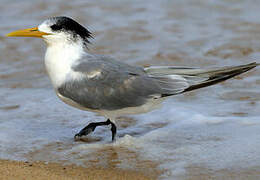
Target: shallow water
213,130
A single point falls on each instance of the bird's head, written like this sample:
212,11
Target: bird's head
57,30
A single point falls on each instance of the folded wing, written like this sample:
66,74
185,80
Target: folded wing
199,78
109,84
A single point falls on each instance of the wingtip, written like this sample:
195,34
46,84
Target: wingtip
254,64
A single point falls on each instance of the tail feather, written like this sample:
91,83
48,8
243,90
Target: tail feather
199,78
222,75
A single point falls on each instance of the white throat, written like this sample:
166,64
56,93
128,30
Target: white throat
59,58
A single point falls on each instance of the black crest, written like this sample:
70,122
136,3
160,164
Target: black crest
63,23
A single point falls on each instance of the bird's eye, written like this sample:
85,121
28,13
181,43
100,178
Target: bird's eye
55,27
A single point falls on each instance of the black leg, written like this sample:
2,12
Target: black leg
113,130
92,126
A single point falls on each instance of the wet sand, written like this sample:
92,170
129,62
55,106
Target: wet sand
41,170
200,173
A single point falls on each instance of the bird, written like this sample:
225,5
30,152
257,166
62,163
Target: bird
110,87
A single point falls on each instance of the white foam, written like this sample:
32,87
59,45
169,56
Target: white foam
174,135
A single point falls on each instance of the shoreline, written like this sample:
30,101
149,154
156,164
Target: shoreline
10,169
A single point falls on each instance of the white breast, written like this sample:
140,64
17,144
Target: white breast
59,59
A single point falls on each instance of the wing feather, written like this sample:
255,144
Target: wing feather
110,84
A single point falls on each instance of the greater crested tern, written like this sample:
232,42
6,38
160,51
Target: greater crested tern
109,87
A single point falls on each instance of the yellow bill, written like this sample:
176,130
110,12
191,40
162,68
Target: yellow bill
31,32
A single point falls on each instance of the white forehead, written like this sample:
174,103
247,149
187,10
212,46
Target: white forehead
45,26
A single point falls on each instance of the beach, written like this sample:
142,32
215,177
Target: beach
10,170
209,133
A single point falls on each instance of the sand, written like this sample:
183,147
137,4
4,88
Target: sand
40,170
202,173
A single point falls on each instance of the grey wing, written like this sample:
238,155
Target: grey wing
109,84
199,78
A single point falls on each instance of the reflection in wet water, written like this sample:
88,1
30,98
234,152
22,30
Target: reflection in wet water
208,130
